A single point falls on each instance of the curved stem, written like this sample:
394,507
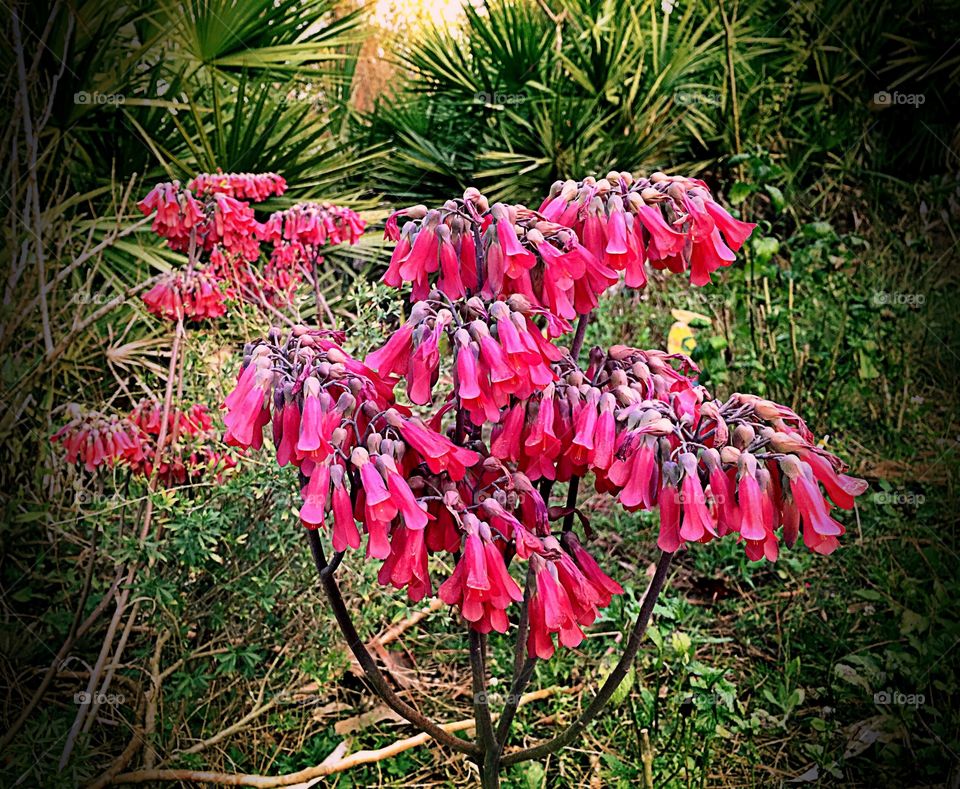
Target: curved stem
613,680
370,669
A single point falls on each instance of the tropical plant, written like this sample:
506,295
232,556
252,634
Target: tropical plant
471,482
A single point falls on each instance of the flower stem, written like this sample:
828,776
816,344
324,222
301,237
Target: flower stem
489,756
370,669
613,680
579,336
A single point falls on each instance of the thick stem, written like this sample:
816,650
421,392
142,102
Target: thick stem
522,664
520,680
613,680
572,491
489,756
370,669
579,336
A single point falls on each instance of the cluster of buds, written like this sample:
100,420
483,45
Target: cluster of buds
96,439
626,398
499,353
564,255
671,221
191,294
190,224
300,231
213,216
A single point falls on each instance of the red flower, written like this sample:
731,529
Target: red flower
697,523
550,612
820,530
480,584
670,509
95,439
439,452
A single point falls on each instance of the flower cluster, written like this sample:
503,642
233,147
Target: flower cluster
190,294
564,255
492,288
213,217
467,247
243,186
190,225
96,439
301,230
190,448
671,221
500,353
413,488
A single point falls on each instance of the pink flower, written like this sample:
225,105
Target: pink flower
473,389
735,231
550,612
248,409
393,358
749,498
670,509
450,281
315,494
721,494
345,532
841,488
406,566
604,585
438,451
413,513
697,523
480,584
820,531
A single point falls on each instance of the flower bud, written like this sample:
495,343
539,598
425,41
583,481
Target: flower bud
729,455
743,436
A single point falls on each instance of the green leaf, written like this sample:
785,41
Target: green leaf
776,197
765,247
739,192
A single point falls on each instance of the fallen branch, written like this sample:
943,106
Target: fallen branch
328,767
